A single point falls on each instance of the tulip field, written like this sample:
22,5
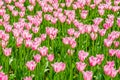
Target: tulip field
59,39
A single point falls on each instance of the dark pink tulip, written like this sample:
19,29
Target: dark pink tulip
87,75
7,51
59,66
50,57
31,65
3,76
37,58
82,55
80,66
35,29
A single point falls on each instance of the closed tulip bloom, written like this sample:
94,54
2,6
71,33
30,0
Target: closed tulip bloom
116,43
43,51
97,21
93,36
19,41
7,51
15,13
37,58
70,51
71,31
0,67
31,65
82,55
59,66
27,78
50,57
87,75
80,66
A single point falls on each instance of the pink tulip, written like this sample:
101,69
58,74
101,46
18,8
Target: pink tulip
7,51
37,58
92,6
88,29
116,43
15,13
87,75
27,78
43,51
93,36
102,32
35,29
84,14
76,34
71,31
100,58
8,1
28,43
4,43
59,66
117,53
3,76
50,57
31,65
80,66
19,41
107,42
92,61
101,12
110,70
82,55
112,52
118,22
30,7
43,37
97,21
